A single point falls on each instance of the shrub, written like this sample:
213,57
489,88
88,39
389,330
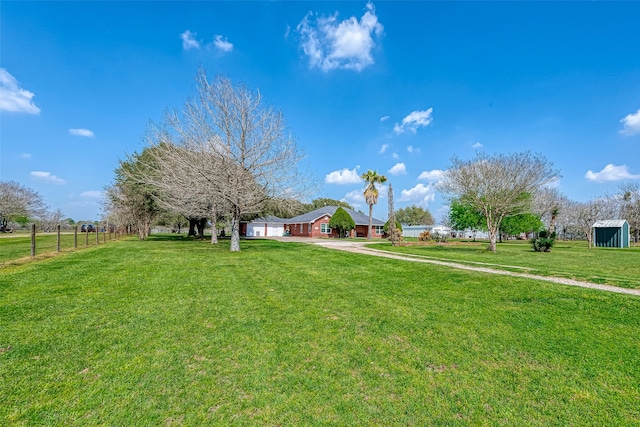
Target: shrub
425,236
543,241
439,237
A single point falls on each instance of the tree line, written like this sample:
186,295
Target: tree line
507,195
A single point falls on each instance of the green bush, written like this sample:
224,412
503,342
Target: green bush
543,241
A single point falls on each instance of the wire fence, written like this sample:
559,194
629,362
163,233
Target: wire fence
29,245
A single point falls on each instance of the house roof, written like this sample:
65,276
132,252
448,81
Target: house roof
609,223
270,219
358,218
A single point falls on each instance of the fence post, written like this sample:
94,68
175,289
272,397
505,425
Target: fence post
58,241
86,237
104,235
75,237
97,235
33,240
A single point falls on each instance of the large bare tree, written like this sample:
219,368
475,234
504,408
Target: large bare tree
225,152
499,185
16,201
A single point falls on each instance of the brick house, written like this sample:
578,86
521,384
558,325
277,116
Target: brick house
316,224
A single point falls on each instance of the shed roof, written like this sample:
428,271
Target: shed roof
358,218
609,223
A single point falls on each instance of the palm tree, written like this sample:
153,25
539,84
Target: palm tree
371,178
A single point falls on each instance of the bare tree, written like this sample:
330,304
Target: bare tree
225,153
183,179
550,205
17,201
131,199
498,186
628,197
49,221
582,216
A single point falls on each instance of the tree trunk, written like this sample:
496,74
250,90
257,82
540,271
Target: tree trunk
493,230
192,226
202,222
370,235
235,231
552,222
214,228
492,241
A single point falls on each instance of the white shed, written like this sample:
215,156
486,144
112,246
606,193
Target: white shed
265,227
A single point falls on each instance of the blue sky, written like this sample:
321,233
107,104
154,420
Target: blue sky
397,87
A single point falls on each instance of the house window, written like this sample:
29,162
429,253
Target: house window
379,229
324,229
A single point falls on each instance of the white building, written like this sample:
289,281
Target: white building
265,227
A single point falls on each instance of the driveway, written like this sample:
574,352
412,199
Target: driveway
359,247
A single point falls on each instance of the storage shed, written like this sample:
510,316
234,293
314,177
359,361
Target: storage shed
612,233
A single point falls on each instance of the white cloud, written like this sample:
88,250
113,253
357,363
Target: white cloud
189,40
431,176
420,194
81,132
414,120
331,44
631,124
553,184
477,145
92,194
398,169
344,176
47,177
25,156
355,198
222,44
383,190
611,173
412,149
384,118
384,148
395,156
13,98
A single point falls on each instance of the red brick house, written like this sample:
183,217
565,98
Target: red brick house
316,224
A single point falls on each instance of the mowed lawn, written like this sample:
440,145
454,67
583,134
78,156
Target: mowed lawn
574,260
17,246
177,332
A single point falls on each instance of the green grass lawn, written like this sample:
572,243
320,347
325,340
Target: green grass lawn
619,267
18,246
178,332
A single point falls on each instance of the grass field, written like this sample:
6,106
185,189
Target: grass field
619,267
17,246
177,332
